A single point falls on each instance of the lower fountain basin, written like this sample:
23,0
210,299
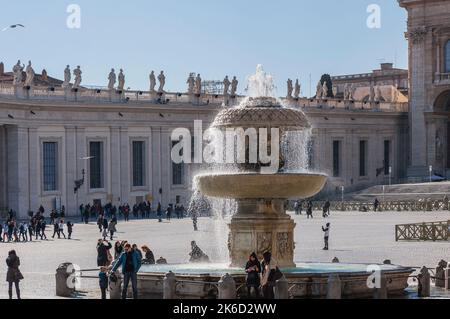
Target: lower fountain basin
255,186
307,280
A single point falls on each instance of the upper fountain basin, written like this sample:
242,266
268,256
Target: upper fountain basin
262,112
256,186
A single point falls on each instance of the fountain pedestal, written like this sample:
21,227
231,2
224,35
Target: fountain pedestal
260,226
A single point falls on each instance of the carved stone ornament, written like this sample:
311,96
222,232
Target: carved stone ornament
417,35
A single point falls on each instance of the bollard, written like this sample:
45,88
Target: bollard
115,285
227,287
381,292
64,286
447,279
169,286
334,287
282,288
440,274
424,278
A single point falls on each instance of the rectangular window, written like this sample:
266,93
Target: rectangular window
138,163
177,171
96,165
362,158
336,158
387,156
50,166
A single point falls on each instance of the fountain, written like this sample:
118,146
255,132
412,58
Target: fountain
261,223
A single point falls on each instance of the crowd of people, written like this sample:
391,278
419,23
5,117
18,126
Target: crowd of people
128,257
143,210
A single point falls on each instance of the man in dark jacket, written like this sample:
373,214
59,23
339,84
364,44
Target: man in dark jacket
131,262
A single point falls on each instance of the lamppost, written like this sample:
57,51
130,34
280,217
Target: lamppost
390,175
383,192
431,171
342,197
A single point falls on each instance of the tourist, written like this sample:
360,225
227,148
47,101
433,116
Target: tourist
5,231
22,232
55,229
326,209
118,248
103,280
309,209
298,207
61,229
43,225
69,230
37,228
326,231
159,212
103,247
169,212
105,233
376,203
100,223
161,261
197,255
253,269
112,229
131,263
270,274
13,276
86,214
136,249
149,257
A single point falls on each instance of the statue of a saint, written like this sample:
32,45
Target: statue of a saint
162,82
77,74
226,85
152,81
17,72
325,90
319,91
67,76
191,83
297,89
234,85
351,92
111,79
378,94
198,84
121,78
290,89
29,81
372,93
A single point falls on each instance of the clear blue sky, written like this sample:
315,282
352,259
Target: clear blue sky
291,38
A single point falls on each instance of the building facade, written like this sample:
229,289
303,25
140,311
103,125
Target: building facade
428,35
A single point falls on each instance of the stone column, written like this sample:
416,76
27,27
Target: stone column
18,170
3,168
115,156
70,174
34,170
166,166
156,164
124,165
418,105
81,151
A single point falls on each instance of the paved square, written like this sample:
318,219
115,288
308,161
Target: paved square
354,237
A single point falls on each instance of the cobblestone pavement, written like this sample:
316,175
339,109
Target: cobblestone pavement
354,237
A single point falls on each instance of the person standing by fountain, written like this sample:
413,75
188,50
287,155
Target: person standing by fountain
130,262
270,274
253,280
309,209
326,231
326,209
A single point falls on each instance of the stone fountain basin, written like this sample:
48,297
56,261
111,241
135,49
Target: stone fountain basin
307,280
256,186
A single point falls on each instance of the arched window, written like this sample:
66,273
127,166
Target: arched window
447,57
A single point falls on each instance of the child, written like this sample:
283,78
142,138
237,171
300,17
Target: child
103,280
69,229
